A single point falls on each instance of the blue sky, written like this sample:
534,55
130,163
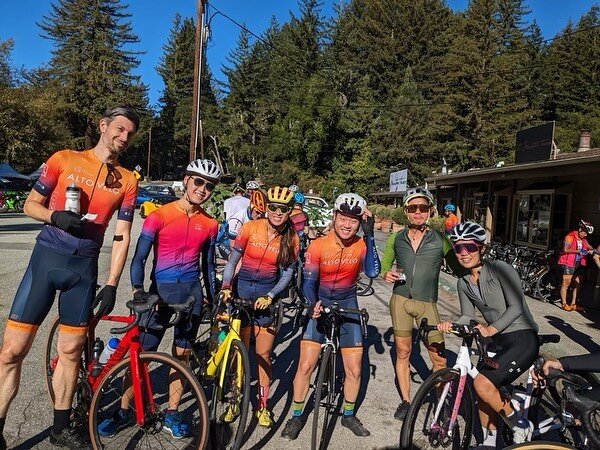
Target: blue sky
152,20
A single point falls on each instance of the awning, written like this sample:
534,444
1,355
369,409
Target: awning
8,172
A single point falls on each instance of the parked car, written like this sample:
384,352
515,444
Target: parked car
160,189
177,186
148,201
318,210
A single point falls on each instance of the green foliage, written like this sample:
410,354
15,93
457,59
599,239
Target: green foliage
398,216
214,205
384,213
437,223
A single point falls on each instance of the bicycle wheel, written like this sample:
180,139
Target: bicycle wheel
591,426
546,287
324,409
422,430
161,370
230,402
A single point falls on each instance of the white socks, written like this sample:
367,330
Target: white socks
489,437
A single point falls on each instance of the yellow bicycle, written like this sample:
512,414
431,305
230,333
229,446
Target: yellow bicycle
220,361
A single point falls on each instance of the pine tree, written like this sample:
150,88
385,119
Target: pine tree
92,61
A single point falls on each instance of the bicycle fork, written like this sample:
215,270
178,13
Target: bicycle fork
446,390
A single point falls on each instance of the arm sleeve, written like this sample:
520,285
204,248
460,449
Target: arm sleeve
513,295
127,207
389,254
310,273
229,270
467,309
51,169
142,250
582,363
371,263
208,264
282,283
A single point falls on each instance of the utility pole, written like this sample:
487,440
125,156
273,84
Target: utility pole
149,147
195,129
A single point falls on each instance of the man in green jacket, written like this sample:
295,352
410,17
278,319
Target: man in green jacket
418,252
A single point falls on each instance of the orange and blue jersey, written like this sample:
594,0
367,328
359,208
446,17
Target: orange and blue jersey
101,194
259,274
450,222
179,241
331,268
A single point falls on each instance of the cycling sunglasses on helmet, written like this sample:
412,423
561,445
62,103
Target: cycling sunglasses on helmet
470,247
413,208
199,182
355,210
283,209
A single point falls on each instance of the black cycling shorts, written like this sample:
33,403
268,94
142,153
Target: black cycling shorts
155,322
350,330
519,349
50,271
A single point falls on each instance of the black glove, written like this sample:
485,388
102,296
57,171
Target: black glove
69,221
106,299
368,226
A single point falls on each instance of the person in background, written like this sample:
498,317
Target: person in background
300,219
235,203
573,263
450,220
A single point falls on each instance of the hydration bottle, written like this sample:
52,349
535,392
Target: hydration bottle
402,279
96,352
72,198
110,348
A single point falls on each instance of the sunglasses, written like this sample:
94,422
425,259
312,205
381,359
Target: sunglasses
112,176
283,209
470,247
354,211
199,182
421,208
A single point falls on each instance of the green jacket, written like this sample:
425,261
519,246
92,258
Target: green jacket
422,268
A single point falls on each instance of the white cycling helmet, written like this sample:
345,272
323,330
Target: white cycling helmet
294,188
468,231
204,168
417,192
349,203
252,185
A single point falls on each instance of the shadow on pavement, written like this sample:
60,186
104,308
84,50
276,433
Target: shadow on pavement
567,329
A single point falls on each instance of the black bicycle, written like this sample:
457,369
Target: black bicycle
328,382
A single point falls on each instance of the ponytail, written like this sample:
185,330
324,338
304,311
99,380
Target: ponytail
286,257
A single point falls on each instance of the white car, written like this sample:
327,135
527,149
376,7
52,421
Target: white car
318,210
177,186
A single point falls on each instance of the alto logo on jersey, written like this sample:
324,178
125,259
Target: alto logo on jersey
263,246
343,261
78,179
198,227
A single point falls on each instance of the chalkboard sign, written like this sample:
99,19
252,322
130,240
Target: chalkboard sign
535,143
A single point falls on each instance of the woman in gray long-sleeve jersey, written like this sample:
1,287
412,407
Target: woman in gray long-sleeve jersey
494,288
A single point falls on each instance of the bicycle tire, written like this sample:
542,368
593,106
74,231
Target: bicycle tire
324,388
546,290
192,406
421,399
591,425
218,429
540,445
278,319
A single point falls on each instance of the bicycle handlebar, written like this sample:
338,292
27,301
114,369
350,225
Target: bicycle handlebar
465,332
336,309
140,307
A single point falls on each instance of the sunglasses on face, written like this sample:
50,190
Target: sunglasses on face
421,208
283,209
470,247
199,182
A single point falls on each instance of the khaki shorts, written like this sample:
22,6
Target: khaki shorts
406,311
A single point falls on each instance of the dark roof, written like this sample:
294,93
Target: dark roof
590,152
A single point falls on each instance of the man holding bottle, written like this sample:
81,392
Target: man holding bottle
65,259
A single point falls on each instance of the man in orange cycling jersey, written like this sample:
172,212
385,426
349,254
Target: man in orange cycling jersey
65,259
450,220
331,268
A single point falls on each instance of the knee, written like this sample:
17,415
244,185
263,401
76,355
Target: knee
12,354
403,351
353,372
70,351
482,384
305,368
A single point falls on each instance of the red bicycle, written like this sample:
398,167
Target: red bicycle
149,383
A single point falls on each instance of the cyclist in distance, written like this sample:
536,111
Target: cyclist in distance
65,259
268,249
255,210
252,186
573,263
182,234
238,201
300,219
418,251
450,220
331,268
494,288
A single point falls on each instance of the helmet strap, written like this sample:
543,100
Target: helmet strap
421,228
187,197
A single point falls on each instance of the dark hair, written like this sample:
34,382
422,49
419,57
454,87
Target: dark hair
286,257
125,111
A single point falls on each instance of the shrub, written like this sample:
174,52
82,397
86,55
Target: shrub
384,213
398,216
437,223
